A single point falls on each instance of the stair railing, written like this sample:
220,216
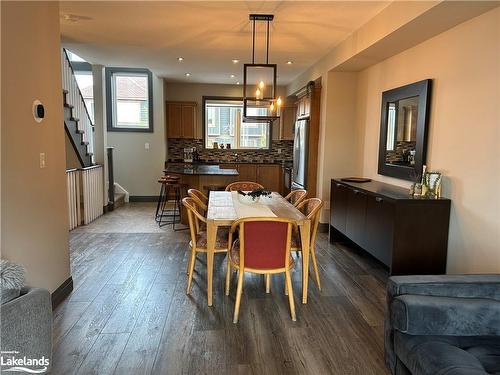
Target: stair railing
92,182
73,193
75,98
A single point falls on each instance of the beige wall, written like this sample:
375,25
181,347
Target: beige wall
30,195
194,92
464,136
135,168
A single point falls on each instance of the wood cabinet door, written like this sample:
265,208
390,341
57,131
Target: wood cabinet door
355,218
269,176
174,120
338,206
379,228
287,122
306,105
247,172
188,120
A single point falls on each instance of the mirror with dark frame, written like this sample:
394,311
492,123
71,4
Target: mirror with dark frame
403,130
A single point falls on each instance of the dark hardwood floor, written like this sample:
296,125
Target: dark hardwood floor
129,313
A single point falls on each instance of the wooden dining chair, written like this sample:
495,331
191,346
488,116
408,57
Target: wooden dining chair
263,247
311,208
200,199
244,186
198,241
296,196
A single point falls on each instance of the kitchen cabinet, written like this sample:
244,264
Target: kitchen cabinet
287,123
304,105
409,235
248,172
269,176
181,119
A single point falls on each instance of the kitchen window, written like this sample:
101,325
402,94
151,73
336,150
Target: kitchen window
129,95
224,125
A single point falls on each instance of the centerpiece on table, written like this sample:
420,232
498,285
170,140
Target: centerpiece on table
253,196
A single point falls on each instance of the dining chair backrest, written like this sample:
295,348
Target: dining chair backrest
244,186
264,242
296,196
311,208
200,198
194,217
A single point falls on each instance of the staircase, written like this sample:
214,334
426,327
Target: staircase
77,122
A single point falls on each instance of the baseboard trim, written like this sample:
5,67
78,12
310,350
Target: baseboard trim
143,198
62,292
323,227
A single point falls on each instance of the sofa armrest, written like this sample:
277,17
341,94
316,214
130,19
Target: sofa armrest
466,286
26,324
427,315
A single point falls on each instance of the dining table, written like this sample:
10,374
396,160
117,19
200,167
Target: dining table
225,207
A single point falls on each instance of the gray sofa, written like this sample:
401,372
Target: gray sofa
444,325
26,325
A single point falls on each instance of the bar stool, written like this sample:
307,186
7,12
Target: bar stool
170,184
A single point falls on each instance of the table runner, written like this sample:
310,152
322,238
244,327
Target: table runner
251,209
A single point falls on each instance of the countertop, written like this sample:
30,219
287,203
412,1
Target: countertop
200,169
381,188
214,162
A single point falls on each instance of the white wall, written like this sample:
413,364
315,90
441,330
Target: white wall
464,136
135,168
34,210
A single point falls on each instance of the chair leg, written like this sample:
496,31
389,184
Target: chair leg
191,270
268,282
228,275
286,289
315,266
288,282
239,290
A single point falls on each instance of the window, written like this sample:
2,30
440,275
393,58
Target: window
129,99
224,125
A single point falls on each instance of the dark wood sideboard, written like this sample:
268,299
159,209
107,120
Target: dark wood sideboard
409,235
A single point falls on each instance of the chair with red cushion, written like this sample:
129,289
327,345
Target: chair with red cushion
263,247
198,241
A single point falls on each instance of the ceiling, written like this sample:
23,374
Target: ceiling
208,34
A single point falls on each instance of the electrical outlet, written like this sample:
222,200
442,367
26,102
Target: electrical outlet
42,160
279,150
146,146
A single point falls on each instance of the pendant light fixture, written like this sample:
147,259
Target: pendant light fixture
260,103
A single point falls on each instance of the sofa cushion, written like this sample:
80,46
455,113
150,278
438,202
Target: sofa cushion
11,280
449,355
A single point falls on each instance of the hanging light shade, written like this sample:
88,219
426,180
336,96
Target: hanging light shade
260,103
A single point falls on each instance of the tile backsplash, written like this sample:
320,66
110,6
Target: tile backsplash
176,148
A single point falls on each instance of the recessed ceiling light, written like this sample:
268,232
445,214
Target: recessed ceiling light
232,75
188,74
235,61
180,58
238,82
289,62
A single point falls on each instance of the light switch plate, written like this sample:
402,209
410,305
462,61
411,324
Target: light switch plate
42,160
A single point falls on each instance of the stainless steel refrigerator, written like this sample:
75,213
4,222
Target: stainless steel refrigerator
300,151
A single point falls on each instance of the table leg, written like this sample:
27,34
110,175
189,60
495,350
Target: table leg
211,237
305,234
